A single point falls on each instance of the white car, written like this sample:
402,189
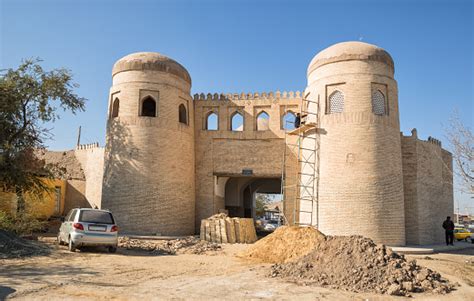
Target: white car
271,225
89,227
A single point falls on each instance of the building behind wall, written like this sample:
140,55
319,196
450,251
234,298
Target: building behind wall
167,166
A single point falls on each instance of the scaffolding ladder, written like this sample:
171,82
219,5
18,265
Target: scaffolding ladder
302,194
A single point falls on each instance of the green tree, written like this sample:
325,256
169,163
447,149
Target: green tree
261,202
29,98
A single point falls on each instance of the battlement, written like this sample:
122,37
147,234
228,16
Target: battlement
434,141
88,146
248,96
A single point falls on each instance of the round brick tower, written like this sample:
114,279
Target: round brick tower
361,183
149,162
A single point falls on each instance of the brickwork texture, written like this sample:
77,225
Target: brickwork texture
163,176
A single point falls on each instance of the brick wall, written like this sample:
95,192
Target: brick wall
427,180
361,185
149,161
91,158
223,153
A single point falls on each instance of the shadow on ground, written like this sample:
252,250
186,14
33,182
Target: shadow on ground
5,291
16,274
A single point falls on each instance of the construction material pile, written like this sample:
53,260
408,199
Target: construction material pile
220,228
287,243
187,245
353,263
12,246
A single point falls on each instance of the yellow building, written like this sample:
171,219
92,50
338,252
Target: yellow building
47,204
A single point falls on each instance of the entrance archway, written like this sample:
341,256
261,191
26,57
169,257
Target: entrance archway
240,194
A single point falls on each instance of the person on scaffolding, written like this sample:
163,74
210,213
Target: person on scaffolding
298,120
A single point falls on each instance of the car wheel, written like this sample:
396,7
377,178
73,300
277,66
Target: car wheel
465,239
71,246
112,249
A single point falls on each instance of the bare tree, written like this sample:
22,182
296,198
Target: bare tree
462,146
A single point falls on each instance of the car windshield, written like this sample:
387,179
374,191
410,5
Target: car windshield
95,216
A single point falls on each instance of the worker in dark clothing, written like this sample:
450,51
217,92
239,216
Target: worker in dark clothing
298,121
448,227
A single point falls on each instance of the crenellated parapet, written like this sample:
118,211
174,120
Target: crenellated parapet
88,146
434,141
431,140
248,96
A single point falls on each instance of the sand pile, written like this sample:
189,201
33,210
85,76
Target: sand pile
357,264
187,245
12,246
287,243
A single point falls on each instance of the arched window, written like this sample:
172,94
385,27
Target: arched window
149,107
183,115
378,103
212,122
288,122
237,122
336,102
263,121
115,108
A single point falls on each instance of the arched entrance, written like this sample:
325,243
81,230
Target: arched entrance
240,194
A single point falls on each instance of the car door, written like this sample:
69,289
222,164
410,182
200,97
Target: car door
63,227
69,223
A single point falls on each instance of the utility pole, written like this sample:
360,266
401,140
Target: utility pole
78,137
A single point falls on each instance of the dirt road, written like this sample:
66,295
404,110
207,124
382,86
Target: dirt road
132,275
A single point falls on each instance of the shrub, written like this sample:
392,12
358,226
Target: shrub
20,224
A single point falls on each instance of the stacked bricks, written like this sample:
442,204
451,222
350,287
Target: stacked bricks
222,229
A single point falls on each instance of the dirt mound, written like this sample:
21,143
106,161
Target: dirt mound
287,243
187,245
356,263
12,246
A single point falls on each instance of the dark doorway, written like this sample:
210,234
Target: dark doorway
240,194
149,107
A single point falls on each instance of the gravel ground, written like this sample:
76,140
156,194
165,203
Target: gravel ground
139,275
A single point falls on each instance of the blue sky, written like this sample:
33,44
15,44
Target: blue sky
247,46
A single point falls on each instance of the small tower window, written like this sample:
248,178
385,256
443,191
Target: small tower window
288,122
237,122
115,108
212,122
336,102
378,103
183,115
263,121
149,107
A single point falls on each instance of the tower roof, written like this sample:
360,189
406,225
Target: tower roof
151,61
347,51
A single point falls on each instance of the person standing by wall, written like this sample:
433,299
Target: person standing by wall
448,226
